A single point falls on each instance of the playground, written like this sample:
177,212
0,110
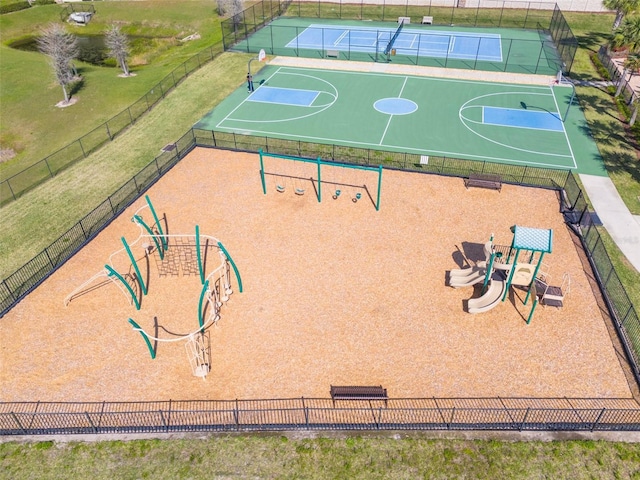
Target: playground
335,291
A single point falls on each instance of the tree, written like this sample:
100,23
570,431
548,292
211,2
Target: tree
61,48
233,8
628,35
118,45
622,8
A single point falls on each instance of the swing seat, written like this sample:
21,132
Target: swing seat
299,191
357,197
280,188
336,194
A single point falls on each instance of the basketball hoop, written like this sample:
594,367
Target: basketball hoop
262,56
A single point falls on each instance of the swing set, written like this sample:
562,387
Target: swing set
317,179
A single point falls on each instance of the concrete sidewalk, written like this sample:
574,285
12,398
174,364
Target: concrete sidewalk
615,216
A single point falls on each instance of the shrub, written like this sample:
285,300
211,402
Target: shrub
14,7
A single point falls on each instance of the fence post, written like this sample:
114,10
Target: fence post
166,427
95,430
48,167
597,419
11,190
50,261
306,413
84,154
4,282
15,418
526,414
106,125
113,211
236,415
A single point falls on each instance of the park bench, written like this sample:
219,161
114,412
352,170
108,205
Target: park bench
427,20
332,53
484,180
358,393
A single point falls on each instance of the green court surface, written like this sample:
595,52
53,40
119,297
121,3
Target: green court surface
496,122
515,50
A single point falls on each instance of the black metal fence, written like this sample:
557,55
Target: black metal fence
565,41
511,414
272,415
618,76
14,186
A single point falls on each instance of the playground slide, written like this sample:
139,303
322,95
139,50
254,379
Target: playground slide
490,299
466,277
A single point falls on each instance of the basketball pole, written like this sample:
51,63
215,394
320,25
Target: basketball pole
260,57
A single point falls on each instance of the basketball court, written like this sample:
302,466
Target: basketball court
512,123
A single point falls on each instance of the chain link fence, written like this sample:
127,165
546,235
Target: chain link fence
18,184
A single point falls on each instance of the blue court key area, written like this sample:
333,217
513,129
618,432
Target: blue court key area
509,117
284,96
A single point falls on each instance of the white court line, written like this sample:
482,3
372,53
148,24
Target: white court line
527,87
341,37
243,101
402,148
464,121
391,116
565,131
452,42
435,79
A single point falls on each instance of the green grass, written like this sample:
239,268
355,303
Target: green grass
233,456
59,203
29,92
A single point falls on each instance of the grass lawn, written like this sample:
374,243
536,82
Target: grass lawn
352,457
62,201
31,123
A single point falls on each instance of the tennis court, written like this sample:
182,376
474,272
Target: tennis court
498,122
456,46
403,41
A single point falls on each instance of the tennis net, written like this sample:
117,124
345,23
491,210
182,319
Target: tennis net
393,39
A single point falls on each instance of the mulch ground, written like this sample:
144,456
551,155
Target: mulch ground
335,293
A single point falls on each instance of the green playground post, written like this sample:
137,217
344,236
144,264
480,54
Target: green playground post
379,187
535,302
155,218
146,338
140,221
113,273
135,266
233,265
264,184
489,270
318,161
511,272
202,293
198,254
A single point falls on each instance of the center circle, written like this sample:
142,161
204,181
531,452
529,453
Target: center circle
395,106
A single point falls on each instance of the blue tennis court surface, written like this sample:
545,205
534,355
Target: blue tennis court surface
284,96
459,45
510,117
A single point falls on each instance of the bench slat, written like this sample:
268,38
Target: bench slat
484,180
358,392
